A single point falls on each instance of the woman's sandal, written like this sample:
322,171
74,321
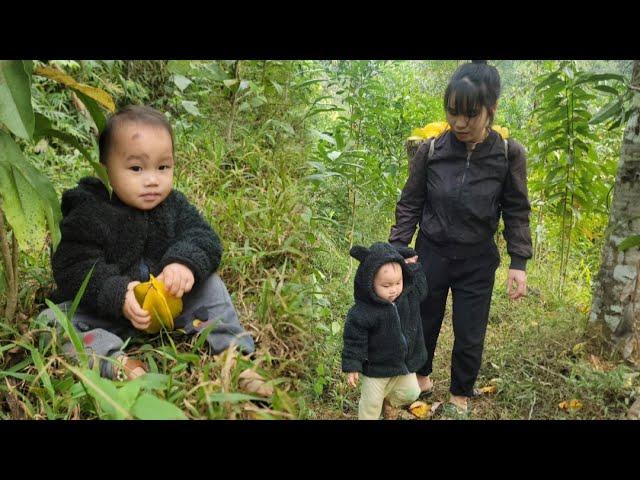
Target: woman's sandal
466,408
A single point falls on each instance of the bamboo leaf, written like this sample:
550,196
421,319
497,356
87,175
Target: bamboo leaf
99,95
42,373
103,391
607,89
94,110
15,98
551,79
29,200
148,407
611,109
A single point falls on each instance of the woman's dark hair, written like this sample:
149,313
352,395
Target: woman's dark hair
130,113
473,85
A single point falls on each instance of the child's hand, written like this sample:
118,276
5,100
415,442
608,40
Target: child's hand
411,259
352,379
177,279
132,310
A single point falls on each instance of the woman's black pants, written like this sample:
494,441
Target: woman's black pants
471,281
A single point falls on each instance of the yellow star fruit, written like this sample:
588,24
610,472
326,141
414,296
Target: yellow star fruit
573,404
161,305
501,130
420,409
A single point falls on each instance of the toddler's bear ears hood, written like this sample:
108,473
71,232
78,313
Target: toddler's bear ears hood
371,259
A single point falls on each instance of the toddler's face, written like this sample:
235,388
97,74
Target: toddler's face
388,281
140,164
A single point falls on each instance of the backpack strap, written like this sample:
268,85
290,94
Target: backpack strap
506,150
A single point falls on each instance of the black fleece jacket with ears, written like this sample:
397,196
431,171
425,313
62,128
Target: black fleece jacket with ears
112,237
384,339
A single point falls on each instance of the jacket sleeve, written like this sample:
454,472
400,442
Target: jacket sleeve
197,245
516,208
82,248
409,207
419,279
356,342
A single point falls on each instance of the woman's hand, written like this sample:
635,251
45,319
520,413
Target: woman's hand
411,259
352,379
519,290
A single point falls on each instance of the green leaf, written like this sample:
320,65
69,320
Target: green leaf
128,393
606,89
599,77
15,98
28,67
568,72
104,393
230,82
44,129
94,110
257,101
101,172
148,407
42,372
277,86
318,177
71,332
608,111
79,294
285,127
180,67
191,107
202,336
28,199
615,124
41,124
325,137
629,242
217,73
59,76
181,82
232,397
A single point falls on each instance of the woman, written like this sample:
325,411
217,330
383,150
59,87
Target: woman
456,193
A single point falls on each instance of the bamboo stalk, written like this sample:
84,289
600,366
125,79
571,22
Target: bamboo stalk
4,246
10,260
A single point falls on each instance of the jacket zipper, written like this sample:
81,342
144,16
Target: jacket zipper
404,339
464,174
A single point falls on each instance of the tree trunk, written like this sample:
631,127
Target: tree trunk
615,312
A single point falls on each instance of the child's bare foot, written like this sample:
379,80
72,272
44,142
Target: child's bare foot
252,382
425,384
129,368
460,402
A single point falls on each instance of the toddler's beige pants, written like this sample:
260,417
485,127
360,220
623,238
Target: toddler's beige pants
400,390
